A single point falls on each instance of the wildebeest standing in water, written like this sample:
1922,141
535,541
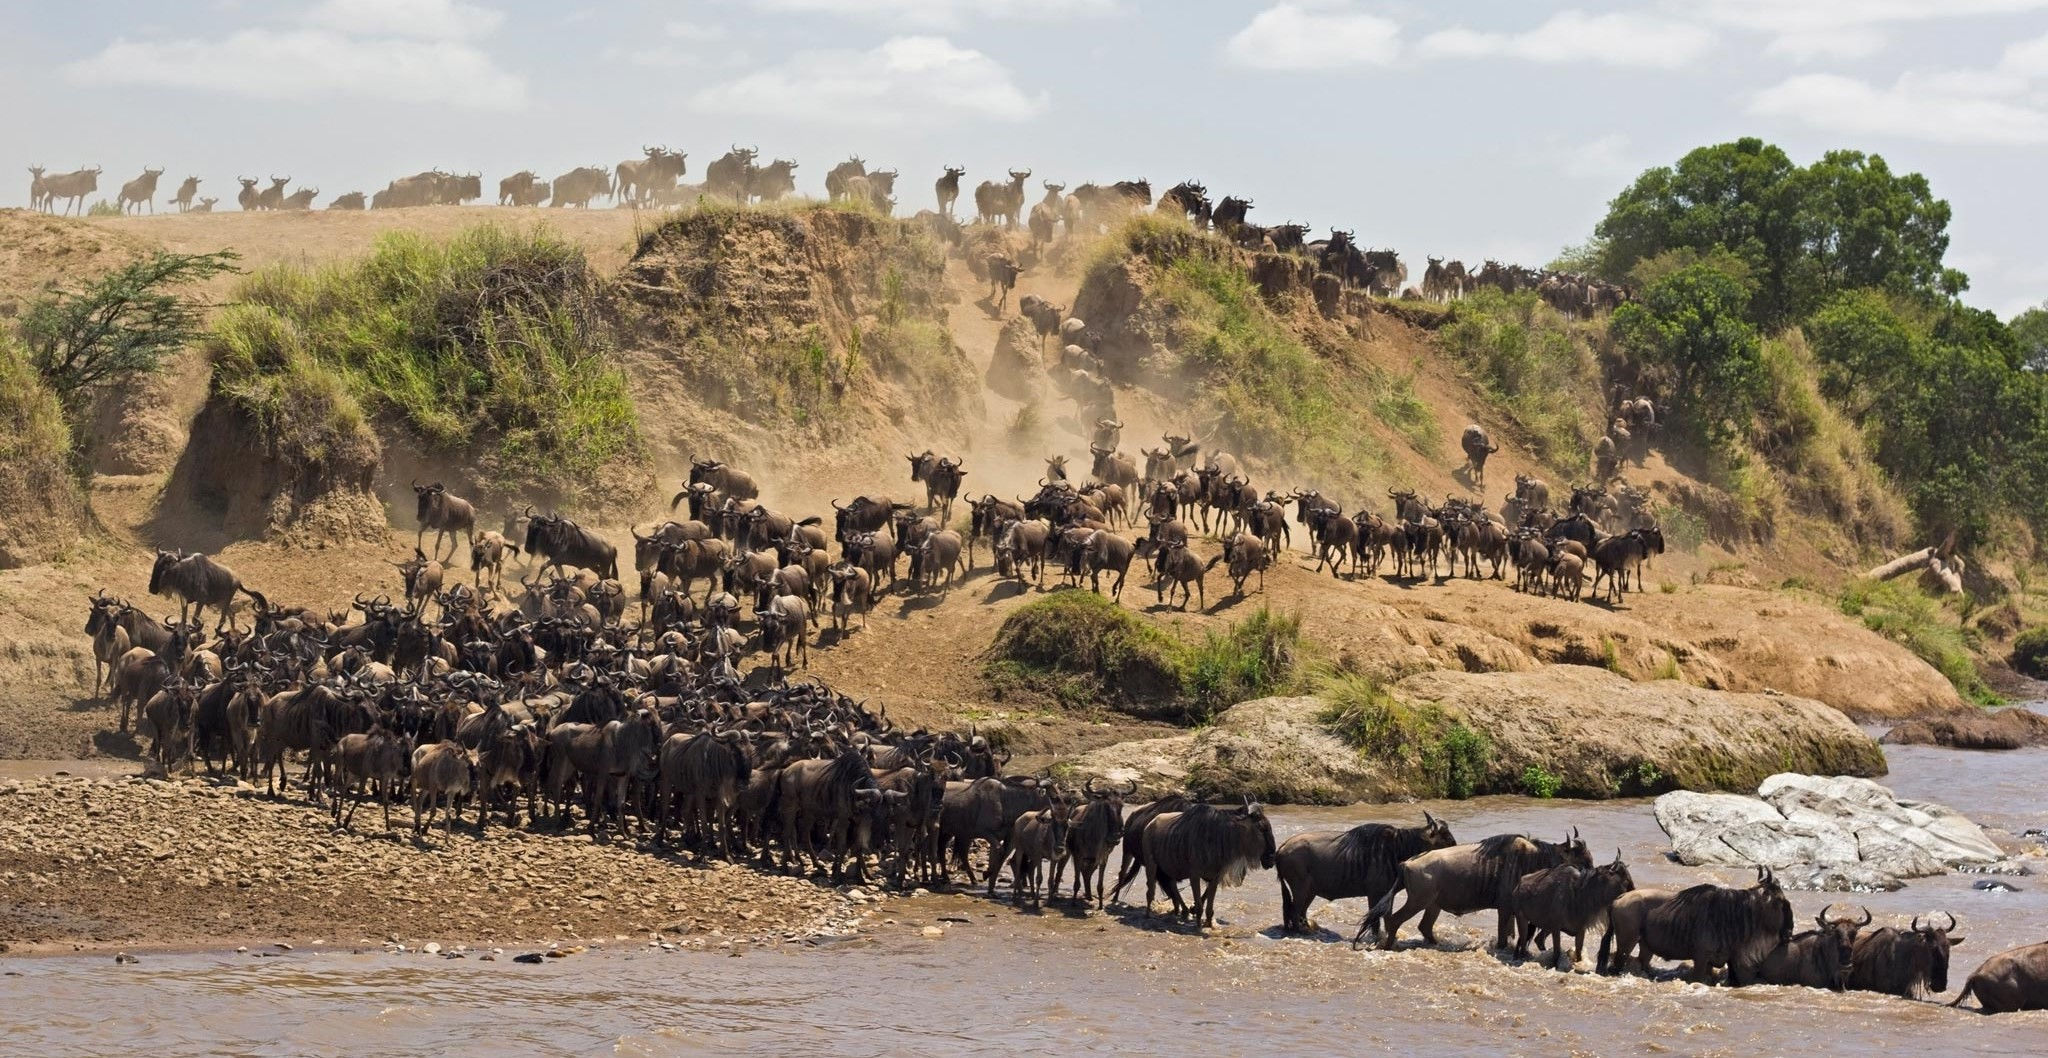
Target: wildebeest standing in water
1208,847
1360,862
1816,958
1904,962
2011,980
1564,900
1467,878
1709,925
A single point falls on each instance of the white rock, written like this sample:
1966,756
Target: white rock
1835,833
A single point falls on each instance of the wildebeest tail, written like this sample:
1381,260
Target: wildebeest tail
1212,563
1968,987
261,602
1381,908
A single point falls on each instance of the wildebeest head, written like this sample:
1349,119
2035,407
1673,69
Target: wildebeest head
164,561
922,464
427,495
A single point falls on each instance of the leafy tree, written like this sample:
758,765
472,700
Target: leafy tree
1844,222
2029,331
1730,196
124,323
1863,343
1694,322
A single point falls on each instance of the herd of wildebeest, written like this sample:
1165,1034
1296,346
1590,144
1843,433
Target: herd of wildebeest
656,180
553,697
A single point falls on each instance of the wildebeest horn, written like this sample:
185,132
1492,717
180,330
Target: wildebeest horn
1131,787
1866,917
1427,818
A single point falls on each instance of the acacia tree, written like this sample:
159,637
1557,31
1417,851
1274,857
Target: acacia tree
122,324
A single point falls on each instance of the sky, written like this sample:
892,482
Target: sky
1467,129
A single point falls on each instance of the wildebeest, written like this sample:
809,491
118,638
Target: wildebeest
1094,827
1463,879
769,183
73,185
140,190
703,773
1038,844
1002,278
441,772
1179,567
365,764
948,188
1904,962
487,551
198,582
638,180
1709,925
446,514
1477,447
1566,899
1815,958
1339,865
995,201
272,197
559,542
350,201
984,809
578,186
1209,848
821,796
726,479
2015,979
727,176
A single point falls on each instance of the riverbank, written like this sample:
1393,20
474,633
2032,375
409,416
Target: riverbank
106,863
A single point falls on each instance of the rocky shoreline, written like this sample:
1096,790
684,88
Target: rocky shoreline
98,863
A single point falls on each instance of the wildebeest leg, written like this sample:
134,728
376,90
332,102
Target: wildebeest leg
1427,926
998,855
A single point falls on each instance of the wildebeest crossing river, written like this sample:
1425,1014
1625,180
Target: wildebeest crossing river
1000,982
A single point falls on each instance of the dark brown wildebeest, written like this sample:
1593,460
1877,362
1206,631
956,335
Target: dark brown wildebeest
728,176
1339,865
1566,899
1463,879
1209,848
422,578
771,182
948,188
508,763
1019,544
703,774
1477,447
1038,844
1103,550
822,795
1709,925
1134,837
1904,962
1002,278
1179,567
557,542
865,514
1615,557
837,176
1094,828
199,582
272,197
2014,979
446,514
1001,201
1816,958
727,479
365,764
985,809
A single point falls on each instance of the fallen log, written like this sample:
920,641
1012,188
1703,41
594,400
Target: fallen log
1943,573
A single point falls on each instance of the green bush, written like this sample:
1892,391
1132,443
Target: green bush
2030,652
1537,782
1910,618
490,346
1083,651
1434,752
1254,658
38,490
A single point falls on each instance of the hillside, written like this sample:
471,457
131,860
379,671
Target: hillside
816,346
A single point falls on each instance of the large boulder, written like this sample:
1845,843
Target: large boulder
1838,832
1275,750
1995,729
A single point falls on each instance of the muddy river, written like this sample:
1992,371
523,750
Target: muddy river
1004,983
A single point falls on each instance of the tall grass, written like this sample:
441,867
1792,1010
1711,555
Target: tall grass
38,490
1922,625
1432,750
1534,365
489,345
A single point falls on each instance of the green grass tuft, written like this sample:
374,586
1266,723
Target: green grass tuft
1536,365
489,346
1909,617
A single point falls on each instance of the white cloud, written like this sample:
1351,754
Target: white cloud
427,19
943,13
2005,104
1842,29
310,65
409,51
1618,39
1606,158
905,81
1314,36
680,30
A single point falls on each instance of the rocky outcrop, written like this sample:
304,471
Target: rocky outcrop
1602,735
1597,734
1836,832
1999,729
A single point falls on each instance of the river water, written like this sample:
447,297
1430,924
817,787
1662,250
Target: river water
1009,983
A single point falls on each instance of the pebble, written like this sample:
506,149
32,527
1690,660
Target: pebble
932,931
431,948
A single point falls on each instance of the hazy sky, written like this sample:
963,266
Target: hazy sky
1467,129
